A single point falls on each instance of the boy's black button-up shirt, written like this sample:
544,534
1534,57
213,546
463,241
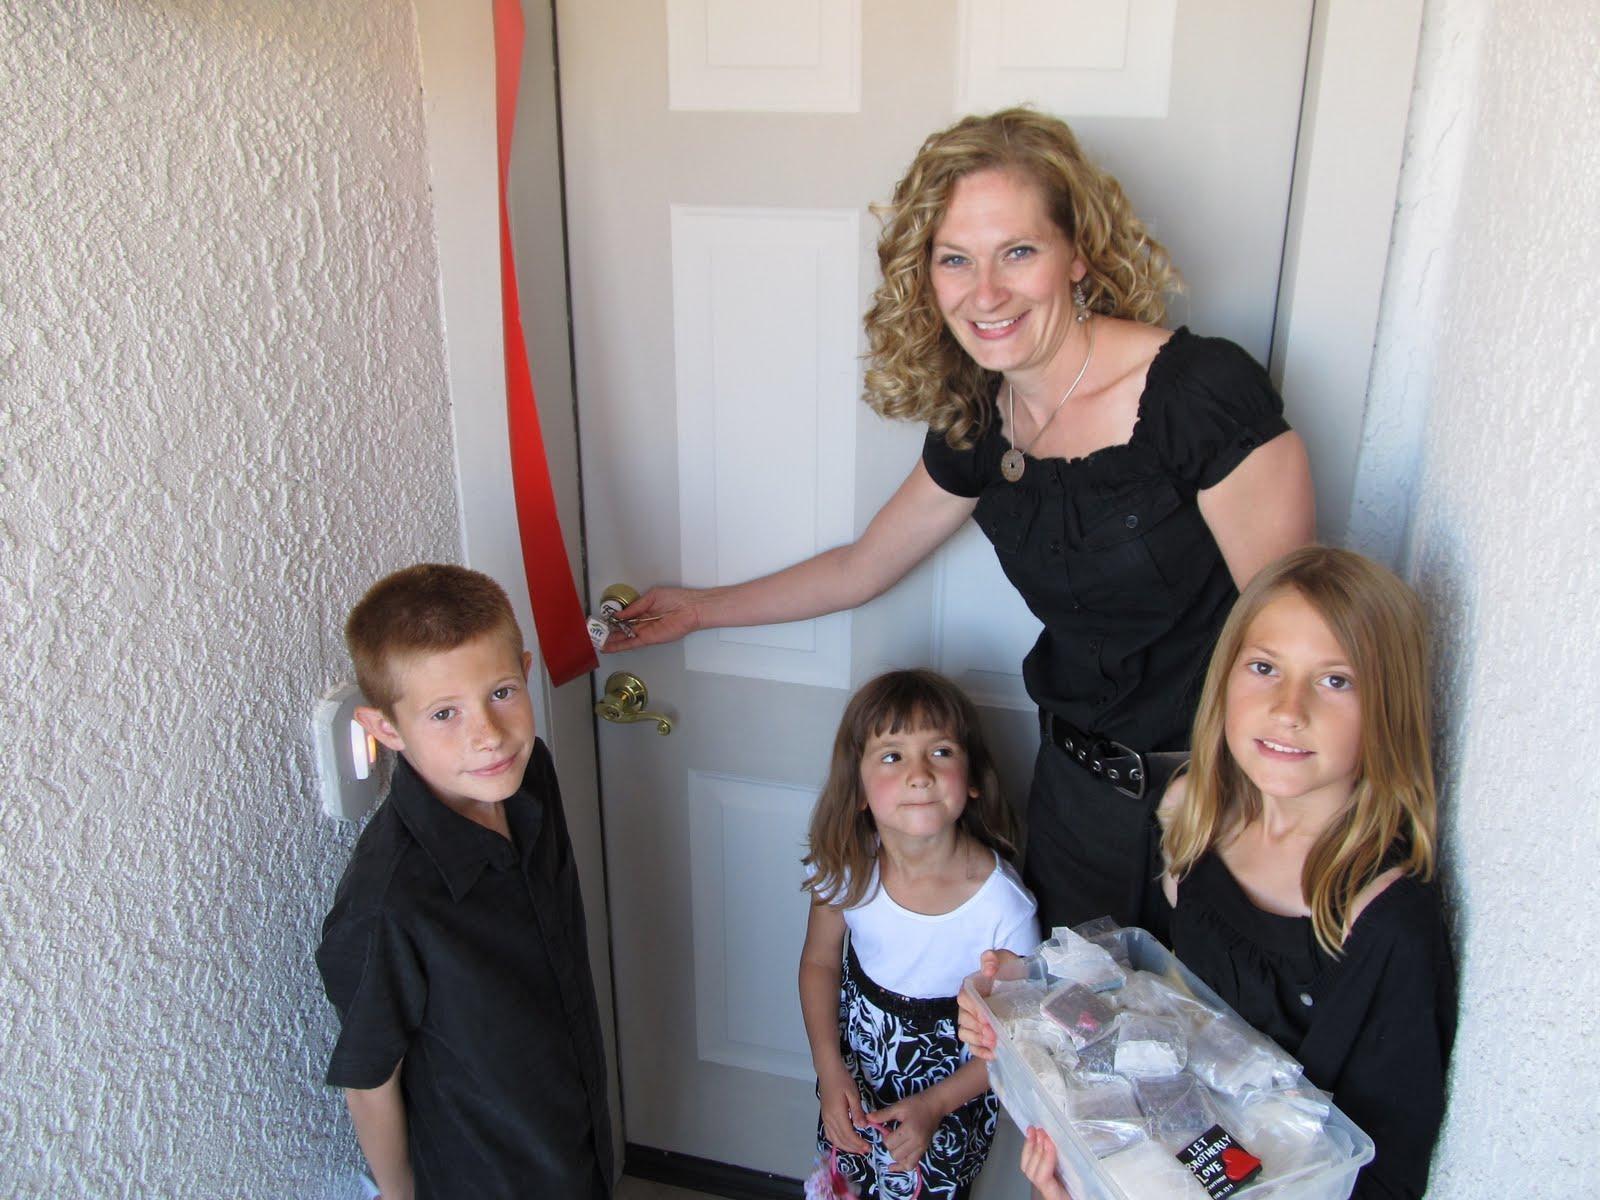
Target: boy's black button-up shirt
465,955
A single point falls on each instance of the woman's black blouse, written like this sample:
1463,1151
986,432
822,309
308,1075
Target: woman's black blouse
1373,1026
1110,550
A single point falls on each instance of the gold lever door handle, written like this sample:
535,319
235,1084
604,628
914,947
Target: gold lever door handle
624,703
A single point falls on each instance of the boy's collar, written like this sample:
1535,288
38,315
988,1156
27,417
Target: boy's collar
459,848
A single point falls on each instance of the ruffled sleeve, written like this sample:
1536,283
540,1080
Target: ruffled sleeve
956,471
1210,405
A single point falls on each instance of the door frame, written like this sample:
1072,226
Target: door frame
1361,66
456,45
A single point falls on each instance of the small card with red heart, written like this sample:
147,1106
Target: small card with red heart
1220,1164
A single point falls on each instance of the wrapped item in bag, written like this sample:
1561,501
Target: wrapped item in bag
1172,998
1142,992
1081,1012
1107,934
1285,1129
1019,1002
1098,1059
1177,1109
1149,1045
1230,1057
1042,1064
1072,959
1046,1033
1105,1114
1150,1172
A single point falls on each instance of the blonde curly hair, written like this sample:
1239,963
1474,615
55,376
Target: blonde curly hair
917,371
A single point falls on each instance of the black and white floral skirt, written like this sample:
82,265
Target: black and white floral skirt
896,1046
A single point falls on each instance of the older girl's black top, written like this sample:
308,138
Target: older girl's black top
1373,1026
1110,551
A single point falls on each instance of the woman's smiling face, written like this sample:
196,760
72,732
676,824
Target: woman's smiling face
1003,272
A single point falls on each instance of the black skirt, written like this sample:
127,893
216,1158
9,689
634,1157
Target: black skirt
1091,851
896,1046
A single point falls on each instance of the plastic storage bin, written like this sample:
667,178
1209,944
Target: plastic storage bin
1024,1100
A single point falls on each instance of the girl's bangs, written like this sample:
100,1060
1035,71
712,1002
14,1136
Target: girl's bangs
910,708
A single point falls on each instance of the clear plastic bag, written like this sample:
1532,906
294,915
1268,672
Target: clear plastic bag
1043,1065
1098,1059
1149,1045
1016,1003
1149,1172
1177,1109
1081,1012
1105,1113
1107,934
1230,1057
1285,1129
1046,1033
1072,959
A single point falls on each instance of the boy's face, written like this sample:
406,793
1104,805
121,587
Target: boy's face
463,718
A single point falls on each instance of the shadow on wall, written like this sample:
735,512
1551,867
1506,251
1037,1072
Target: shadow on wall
1442,577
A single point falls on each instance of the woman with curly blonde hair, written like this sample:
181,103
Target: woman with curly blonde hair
1131,478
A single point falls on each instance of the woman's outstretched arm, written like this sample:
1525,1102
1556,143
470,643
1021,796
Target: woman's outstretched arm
919,518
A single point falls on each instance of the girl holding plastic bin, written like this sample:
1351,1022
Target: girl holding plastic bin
1300,851
908,854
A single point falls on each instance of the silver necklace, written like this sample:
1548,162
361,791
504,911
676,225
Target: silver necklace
1012,462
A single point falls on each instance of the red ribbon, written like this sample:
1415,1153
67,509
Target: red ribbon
557,612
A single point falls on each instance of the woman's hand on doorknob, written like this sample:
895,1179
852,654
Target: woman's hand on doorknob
663,614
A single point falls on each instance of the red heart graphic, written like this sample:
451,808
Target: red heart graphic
1239,1164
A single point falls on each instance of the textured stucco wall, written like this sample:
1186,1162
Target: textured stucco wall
223,412
1491,353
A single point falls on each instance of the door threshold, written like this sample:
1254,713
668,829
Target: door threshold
706,1175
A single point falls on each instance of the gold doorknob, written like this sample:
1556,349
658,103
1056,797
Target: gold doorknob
616,598
624,702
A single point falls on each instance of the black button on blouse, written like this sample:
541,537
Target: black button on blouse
465,954
1110,551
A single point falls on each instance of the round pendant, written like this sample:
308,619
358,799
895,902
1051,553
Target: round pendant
1011,465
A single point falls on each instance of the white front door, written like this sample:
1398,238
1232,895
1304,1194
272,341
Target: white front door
720,157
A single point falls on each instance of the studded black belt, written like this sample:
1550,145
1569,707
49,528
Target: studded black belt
1128,770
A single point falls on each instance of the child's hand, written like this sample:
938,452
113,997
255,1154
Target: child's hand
842,1113
908,1141
1039,1166
972,1026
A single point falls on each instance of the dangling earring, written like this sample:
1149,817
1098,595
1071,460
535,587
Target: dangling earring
1080,301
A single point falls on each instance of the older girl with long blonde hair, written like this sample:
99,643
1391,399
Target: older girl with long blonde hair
1301,846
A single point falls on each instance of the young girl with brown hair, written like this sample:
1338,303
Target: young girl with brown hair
1300,848
908,854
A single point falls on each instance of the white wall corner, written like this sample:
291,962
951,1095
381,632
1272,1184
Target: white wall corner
1358,91
1401,386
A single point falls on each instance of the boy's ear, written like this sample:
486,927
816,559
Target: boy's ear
527,663
379,726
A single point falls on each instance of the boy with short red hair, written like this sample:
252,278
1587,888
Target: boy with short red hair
470,1048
